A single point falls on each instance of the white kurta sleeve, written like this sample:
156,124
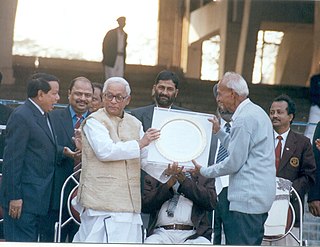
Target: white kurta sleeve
103,146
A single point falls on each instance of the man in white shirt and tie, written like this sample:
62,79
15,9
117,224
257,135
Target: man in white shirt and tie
222,223
294,157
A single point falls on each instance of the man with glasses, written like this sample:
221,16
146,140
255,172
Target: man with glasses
113,151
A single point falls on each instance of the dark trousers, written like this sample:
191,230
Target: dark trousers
24,229
248,229
67,232
222,219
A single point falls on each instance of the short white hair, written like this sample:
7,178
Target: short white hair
117,80
237,83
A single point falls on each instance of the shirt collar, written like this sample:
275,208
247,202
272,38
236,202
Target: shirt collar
283,135
73,113
36,105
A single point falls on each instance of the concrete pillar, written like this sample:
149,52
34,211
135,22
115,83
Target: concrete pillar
185,35
7,19
194,60
230,35
295,51
248,39
170,32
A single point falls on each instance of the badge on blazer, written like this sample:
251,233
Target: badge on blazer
294,161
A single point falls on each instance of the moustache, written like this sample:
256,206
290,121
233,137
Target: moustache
165,96
81,101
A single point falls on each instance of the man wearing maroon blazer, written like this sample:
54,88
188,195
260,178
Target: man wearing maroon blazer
296,159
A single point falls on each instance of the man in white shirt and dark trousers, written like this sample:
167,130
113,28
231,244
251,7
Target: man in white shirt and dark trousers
179,208
221,218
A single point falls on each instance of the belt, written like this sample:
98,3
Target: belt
177,227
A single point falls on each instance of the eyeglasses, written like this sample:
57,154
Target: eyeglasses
119,98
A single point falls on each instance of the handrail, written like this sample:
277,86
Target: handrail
20,102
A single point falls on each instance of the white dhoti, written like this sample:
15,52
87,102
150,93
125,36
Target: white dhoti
162,236
117,69
108,227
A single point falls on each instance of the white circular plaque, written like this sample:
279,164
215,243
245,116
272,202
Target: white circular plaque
181,140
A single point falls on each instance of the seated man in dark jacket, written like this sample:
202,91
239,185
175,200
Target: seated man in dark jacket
179,208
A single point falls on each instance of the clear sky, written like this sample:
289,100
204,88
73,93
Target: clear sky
75,28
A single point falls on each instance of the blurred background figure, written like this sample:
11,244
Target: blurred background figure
96,103
314,114
114,50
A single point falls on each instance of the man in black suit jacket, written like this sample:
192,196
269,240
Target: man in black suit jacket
29,160
114,50
64,122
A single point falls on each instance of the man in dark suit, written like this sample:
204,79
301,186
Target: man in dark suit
64,122
164,92
114,50
29,161
296,159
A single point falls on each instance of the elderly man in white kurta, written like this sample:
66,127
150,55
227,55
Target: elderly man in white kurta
113,151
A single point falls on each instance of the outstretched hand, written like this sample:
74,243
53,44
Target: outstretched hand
317,142
314,208
176,172
215,124
76,155
149,136
196,168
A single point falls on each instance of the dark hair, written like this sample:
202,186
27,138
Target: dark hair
39,81
315,90
168,75
0,77
291,105
80,78
98,85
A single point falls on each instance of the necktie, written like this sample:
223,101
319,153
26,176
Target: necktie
78,122
48,122
222,152
278,151
172,204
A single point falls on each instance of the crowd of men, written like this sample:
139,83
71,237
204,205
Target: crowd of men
120,194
